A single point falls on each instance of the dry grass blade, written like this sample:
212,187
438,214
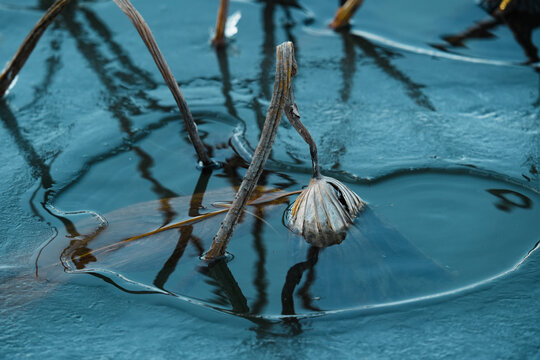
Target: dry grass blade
150,42
219,37
272,199
285,70
19,59
345,13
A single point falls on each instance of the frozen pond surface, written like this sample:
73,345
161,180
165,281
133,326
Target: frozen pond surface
444,146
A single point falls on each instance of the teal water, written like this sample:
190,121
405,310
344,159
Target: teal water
444,146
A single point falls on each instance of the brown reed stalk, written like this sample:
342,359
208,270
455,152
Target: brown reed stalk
219,37
345,13
150,42
29,43
285,71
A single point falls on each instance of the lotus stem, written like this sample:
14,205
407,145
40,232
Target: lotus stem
29,43
291,111
345,13
219,37
148,38
285,71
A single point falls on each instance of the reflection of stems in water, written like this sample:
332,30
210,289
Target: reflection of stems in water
268,56
414,90
53,65
144,168
77,249
273,200
142,76
40,169
219,271
520,22
111,281
205,216
118,244
294,275
148,38
345,13
507,203
219,38
285,70
122,103
269,44
162,192
481,30
170,265
259,280
28,45
223,62
118,150
267,51
348,66
31,40
185,231
198,193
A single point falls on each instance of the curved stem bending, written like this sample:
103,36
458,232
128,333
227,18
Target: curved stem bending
291,111
150,42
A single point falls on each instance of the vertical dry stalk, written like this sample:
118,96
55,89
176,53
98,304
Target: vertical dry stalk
345,13
28,45
219,37
150,42
285,71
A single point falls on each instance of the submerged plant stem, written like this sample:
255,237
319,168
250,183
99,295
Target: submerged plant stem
28,45
150,42
345,13
285,70
219,37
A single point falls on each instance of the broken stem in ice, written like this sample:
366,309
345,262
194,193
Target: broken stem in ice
345,13
29,43
219,36
150,42
285,71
